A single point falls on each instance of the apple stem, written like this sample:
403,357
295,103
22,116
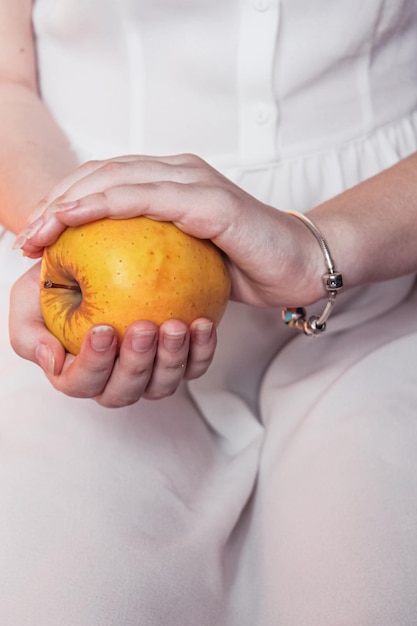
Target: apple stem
48,284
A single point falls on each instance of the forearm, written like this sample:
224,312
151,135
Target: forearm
371,229
34,153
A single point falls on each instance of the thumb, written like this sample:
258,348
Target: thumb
29,336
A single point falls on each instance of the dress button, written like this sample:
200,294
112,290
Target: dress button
261,5
261,113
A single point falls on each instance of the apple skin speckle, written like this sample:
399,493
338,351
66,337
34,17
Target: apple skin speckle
128,270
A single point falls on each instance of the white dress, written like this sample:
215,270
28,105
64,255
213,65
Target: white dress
281,488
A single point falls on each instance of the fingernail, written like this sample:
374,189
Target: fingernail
63,206
33,227
45,358
19,242
27,233
203,332
102,338
173,341
143,340
40,209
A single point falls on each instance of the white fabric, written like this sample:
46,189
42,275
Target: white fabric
283,492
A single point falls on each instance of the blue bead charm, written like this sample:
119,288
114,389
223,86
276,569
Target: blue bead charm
291,315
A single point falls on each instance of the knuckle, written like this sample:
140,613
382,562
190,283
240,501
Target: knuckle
153,394
106,196
115,403
112,167
15,343
20,345
188,158
192,160
201,362
196,371
75,389
176,366
137,368
74,392
89,165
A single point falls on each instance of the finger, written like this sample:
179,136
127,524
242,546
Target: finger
43,228
29,336
62,186
98,176
133,170
171,359
40,233
86,375
133,368
202,347
196,209
40,215
98,172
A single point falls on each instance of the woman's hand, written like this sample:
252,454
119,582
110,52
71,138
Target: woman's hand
151,364
267,254
271,256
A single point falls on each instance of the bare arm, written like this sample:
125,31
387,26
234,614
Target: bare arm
372,228
34,153
34,158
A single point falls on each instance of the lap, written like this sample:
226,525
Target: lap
110,515
107,515
336,507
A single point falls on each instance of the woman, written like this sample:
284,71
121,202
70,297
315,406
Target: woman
278,487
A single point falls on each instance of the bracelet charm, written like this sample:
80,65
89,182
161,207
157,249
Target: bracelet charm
296,317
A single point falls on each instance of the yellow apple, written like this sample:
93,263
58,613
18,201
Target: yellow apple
119,271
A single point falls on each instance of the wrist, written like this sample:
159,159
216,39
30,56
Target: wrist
306,264
332,282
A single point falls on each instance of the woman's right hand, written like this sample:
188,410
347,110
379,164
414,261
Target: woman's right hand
151,363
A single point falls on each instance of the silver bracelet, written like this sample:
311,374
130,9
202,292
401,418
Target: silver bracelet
296,317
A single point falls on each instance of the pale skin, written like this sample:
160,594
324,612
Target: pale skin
34,157
273,258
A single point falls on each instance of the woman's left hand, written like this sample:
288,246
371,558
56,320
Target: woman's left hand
270,256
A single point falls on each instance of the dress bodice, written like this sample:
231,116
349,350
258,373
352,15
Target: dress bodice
241,82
